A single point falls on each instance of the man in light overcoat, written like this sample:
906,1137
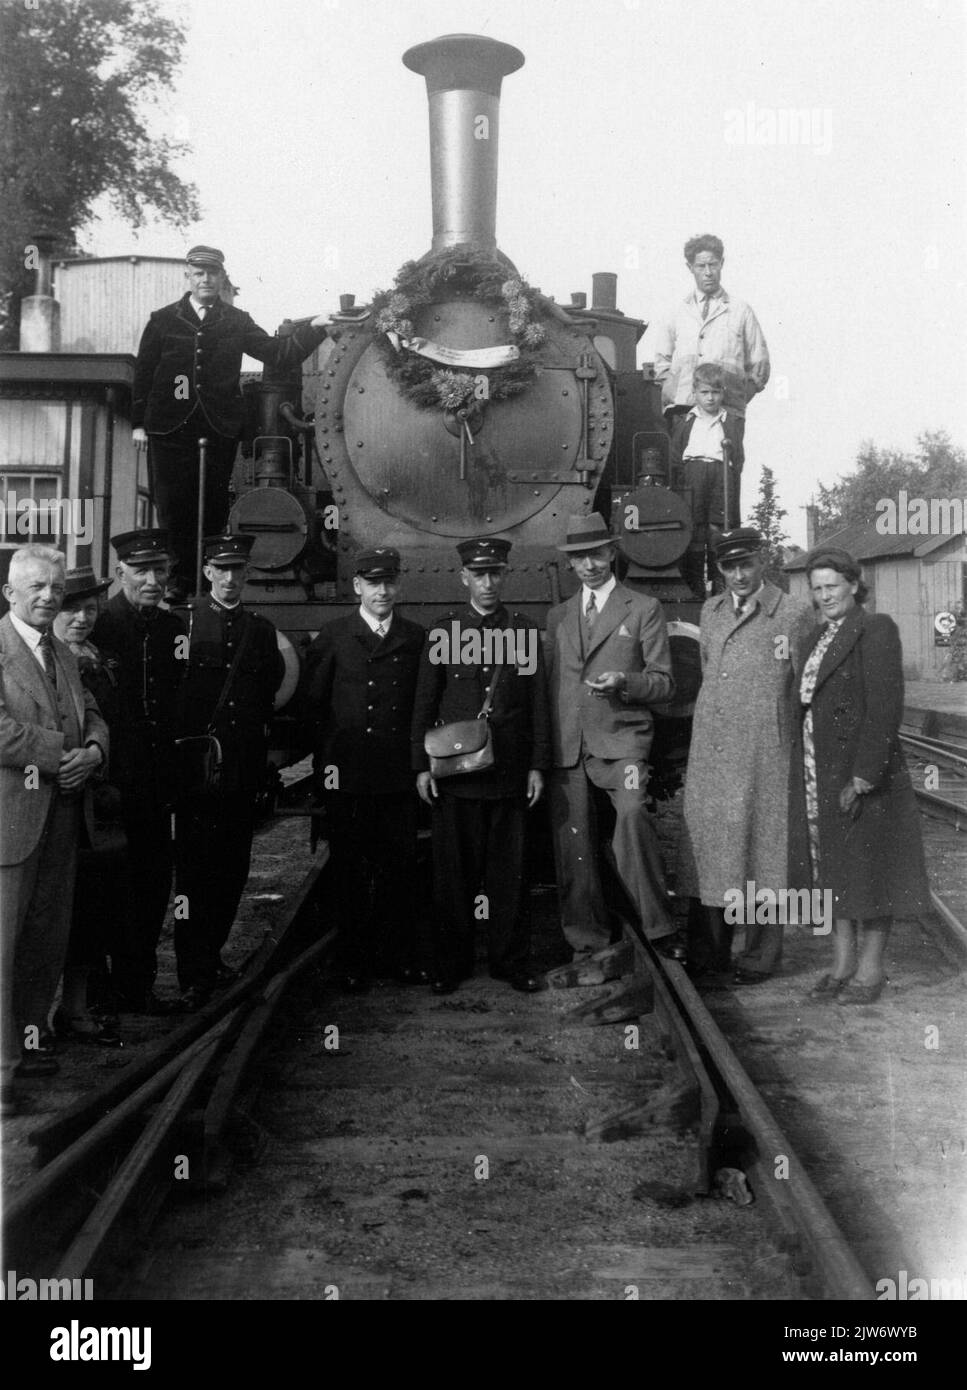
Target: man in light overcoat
736,786
608,661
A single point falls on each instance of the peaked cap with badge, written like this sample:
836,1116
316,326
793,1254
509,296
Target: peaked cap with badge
379,562
135,547
484,553
228,549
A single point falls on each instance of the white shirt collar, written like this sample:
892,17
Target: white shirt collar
31,635
601,595
746,601
709,420
200,309
373,623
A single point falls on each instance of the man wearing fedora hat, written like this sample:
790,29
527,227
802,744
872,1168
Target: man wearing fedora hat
359,685
142,644
735,817
186,386
234,668
608,662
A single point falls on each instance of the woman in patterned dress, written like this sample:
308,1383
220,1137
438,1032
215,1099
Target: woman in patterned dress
854,827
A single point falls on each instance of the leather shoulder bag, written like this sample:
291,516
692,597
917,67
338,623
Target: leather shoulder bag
466,746
200,755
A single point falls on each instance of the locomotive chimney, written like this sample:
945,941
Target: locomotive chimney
604,290
40,311
463,77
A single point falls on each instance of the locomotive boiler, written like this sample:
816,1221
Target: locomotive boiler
462,402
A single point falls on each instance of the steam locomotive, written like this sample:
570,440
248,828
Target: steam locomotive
462,403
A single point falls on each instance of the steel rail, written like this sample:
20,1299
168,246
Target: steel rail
795,1201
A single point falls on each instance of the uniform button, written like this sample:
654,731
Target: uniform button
369,706
369,731
371,682
725,675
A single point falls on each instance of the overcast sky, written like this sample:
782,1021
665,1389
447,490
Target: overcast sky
633,125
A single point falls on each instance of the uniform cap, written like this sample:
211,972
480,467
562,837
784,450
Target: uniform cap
83,583
484,553
146,544
586,533
206,255
381,562
738,544
227,549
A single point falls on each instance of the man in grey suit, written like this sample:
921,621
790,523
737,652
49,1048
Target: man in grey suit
52,738
608,660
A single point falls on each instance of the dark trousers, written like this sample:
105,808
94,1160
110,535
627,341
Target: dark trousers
35,915
145,887
708,938
213,850
479,848
372,882
173,464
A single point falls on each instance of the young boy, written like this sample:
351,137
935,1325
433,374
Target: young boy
704,440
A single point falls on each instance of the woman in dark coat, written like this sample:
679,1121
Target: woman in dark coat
98,860
854,827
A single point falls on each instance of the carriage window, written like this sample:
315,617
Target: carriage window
25,499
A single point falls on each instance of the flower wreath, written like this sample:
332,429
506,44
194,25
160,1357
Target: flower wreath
457,270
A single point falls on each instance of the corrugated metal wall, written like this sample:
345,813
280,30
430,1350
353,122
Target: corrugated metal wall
104,304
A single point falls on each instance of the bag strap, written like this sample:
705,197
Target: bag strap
489,701
232,670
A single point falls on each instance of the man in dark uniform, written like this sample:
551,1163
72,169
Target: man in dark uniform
142,645
480,818
186,386
361,677
234,669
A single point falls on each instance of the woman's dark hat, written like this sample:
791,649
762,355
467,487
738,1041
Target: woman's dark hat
586,533
83,583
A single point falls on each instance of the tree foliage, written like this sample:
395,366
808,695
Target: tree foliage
78,82
767,517
937,469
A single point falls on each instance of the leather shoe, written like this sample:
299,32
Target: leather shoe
194,998
444,984
84,1028
148,1004
518,979
672,948
860,994
749,977
411,975
827,987
37,1064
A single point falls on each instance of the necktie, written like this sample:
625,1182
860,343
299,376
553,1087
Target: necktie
380,632
590,613
46,648
705,303
201,311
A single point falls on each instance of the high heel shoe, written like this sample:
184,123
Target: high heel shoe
83,1028
828,987
862,994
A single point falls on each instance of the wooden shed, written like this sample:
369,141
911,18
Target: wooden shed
913,578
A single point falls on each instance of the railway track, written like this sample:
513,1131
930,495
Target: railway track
107,1165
